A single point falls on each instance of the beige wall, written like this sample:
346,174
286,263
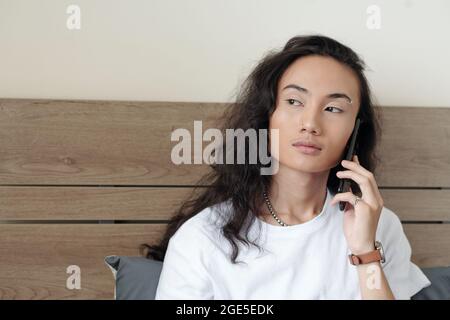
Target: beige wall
200,50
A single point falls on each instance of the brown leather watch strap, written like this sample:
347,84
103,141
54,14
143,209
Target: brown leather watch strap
369,257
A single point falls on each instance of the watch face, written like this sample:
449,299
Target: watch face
380,248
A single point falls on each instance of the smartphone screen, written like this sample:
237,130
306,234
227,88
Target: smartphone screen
344,184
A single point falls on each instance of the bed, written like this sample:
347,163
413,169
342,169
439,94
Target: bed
81,180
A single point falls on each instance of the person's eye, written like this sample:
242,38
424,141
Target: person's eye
291,101
340,110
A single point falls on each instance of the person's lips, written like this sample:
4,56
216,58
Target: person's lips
306,143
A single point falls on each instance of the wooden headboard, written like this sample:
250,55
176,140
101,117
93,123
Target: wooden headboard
80,180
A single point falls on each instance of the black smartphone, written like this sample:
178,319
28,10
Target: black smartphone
344,184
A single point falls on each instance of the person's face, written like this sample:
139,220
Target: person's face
313,115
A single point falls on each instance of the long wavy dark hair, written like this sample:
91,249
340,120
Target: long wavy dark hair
242,184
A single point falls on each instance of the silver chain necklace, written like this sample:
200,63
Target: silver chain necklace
272,212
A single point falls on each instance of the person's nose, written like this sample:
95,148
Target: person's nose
309,120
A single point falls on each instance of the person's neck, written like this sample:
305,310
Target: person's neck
296,197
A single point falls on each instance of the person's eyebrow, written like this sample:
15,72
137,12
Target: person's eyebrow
331,95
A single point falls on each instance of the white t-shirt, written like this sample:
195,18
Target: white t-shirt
303,261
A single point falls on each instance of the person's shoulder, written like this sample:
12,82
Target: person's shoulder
204,225
388,216
389,225
210,218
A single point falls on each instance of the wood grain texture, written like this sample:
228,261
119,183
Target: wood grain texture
430,244
73,160
415,147
34,258
418,204
160,203
90,203
96,142
128,143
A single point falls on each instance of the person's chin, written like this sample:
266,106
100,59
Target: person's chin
305,166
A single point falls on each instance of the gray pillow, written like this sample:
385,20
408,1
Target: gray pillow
440,285
137,279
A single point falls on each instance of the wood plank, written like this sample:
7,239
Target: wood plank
160,203
430,244
419,204
415,147
34,258
96,142
90,203
78,142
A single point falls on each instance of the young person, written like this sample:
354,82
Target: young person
283,236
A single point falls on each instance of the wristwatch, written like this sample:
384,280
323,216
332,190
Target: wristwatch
372,256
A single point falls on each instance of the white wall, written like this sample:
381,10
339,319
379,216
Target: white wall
200,50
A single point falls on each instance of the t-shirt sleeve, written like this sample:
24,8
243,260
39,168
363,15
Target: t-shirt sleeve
404,277
184,273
